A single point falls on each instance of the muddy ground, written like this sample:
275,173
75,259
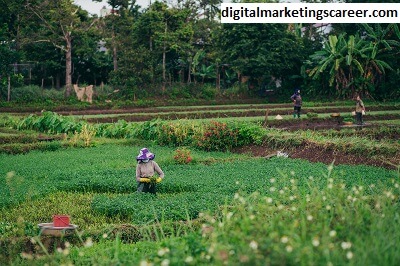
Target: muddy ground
316,154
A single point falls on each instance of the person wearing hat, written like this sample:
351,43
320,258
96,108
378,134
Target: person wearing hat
145,169
297,102
360,110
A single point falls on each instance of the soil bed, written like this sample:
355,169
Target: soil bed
140,117
314,153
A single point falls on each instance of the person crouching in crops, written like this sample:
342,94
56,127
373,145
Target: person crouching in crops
145,169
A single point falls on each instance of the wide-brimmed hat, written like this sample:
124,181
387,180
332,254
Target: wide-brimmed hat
145,154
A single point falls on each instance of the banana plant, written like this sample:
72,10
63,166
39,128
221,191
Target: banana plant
342,59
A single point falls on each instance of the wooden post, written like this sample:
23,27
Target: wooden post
266,117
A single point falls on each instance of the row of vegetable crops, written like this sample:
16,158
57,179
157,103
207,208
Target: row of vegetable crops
100,181
216,208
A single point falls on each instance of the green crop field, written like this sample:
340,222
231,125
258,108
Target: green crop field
222,208
218,208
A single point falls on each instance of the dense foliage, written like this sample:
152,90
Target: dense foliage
173,49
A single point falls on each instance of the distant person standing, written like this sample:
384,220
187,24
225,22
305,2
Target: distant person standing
297,102
360,109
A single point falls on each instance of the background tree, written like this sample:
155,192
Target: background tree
60,21
261,51
354,63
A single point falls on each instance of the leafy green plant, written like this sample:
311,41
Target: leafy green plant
50,122
312,115
348,119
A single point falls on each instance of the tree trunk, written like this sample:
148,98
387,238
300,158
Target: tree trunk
189,80
218,79
58,81
164,60
115,61
68,65
8,88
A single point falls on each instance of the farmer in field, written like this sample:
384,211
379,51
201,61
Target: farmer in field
145,169
360,109
297,102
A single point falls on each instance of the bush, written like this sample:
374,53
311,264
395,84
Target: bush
218,136
182,156
208,92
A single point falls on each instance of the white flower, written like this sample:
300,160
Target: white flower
253,245
330,186
88,242
349,255
281,191
315,242
269,200
292,172
272,180
105,235
289,248
229,215
345,245
272,189
330,180
328,207
189,259
291,198
252,217
292,181
323,198
284,239
165,262
144,263
309,217
280,207
293,208
332,233
349,197
161,252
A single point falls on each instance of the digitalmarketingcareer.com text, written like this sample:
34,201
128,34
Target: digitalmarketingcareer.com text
283,13
305,13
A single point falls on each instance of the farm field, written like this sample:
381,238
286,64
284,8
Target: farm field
296,210
333,201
